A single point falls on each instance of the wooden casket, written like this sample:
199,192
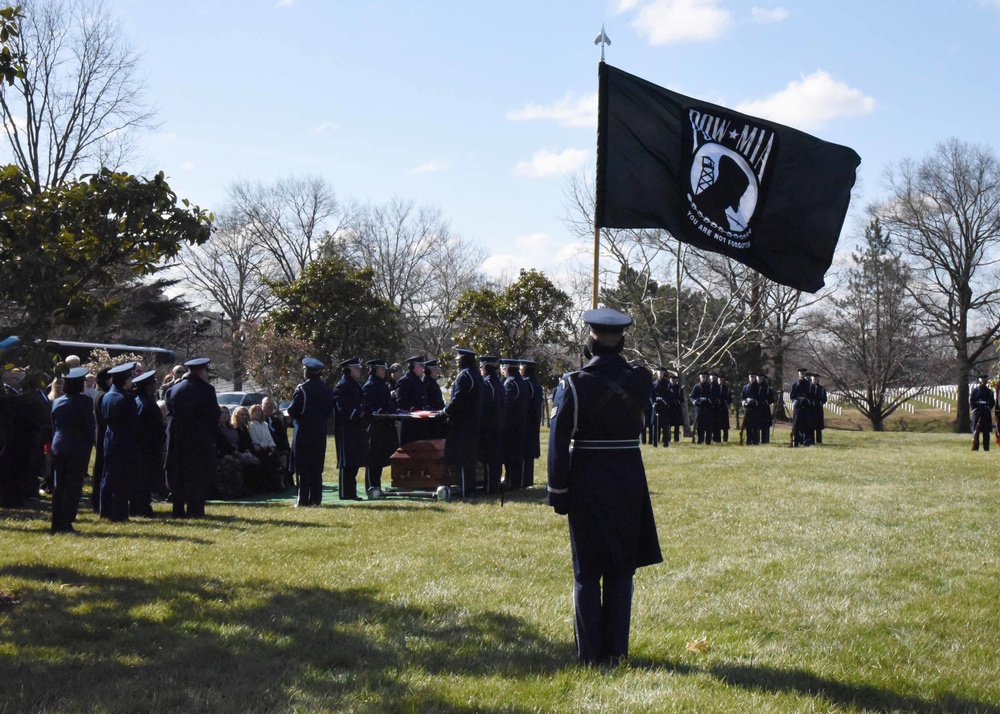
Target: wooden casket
420,464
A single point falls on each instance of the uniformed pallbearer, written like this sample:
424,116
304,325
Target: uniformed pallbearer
982,402
310,410
464,412
349,427
596,477
382,437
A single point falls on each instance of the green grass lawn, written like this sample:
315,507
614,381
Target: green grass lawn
860,576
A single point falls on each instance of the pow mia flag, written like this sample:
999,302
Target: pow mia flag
771,197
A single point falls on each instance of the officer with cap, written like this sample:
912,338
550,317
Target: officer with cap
533,421
704,415
597,478
382,437
516,404
349,428
658,419
411,396
121,447
982,401
764,405
722,415
491,424
72,441
103,387
193,420
435,399
464,411
817,395
150,435
675,409
801,423
749,398
310,410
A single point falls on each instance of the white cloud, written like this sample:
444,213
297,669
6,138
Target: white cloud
283,3
538,251
663,22
625,5
188,165
810,102
324,126
548,163
572,111
429,168
769,14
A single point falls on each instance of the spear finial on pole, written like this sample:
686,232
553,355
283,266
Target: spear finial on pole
602,40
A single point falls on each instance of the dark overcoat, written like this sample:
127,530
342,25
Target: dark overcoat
494,416
382,437
516,402
701,398
310,410
121,453
533,417
596,469
151,435
192,422
464,413
411,396
799,394
349,427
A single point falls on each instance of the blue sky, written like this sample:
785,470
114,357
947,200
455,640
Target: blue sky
481,109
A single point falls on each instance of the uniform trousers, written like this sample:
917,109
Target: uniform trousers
310,489
68,473
603,615
348,483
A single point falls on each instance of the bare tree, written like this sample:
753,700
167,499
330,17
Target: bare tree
227,270
405,246
454,270
291,219
946,211
869,341
81,100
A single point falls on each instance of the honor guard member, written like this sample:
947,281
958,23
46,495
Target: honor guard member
435,399
464,411
660,418
349,428
801,422
533,422
491,425
411,396
701,400
310,410
149,435
596,477
192,424
982,402
516,402
725,401
72,441
817,395
121,447
766,406
103,387
749,398
675,408
382,437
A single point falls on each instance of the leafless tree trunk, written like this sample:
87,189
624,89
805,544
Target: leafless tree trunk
81,100
946,211
291,219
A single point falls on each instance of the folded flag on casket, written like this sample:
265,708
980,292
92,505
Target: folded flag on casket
771,197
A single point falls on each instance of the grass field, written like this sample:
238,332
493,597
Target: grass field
860,576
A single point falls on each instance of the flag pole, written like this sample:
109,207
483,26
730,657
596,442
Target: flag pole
602,40
597,254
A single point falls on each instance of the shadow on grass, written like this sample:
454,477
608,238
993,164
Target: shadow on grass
842,694
81,641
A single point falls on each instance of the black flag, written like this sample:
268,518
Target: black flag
771,197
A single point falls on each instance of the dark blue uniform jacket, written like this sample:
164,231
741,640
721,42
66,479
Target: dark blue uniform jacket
352,439
311,407
596,471
464,413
